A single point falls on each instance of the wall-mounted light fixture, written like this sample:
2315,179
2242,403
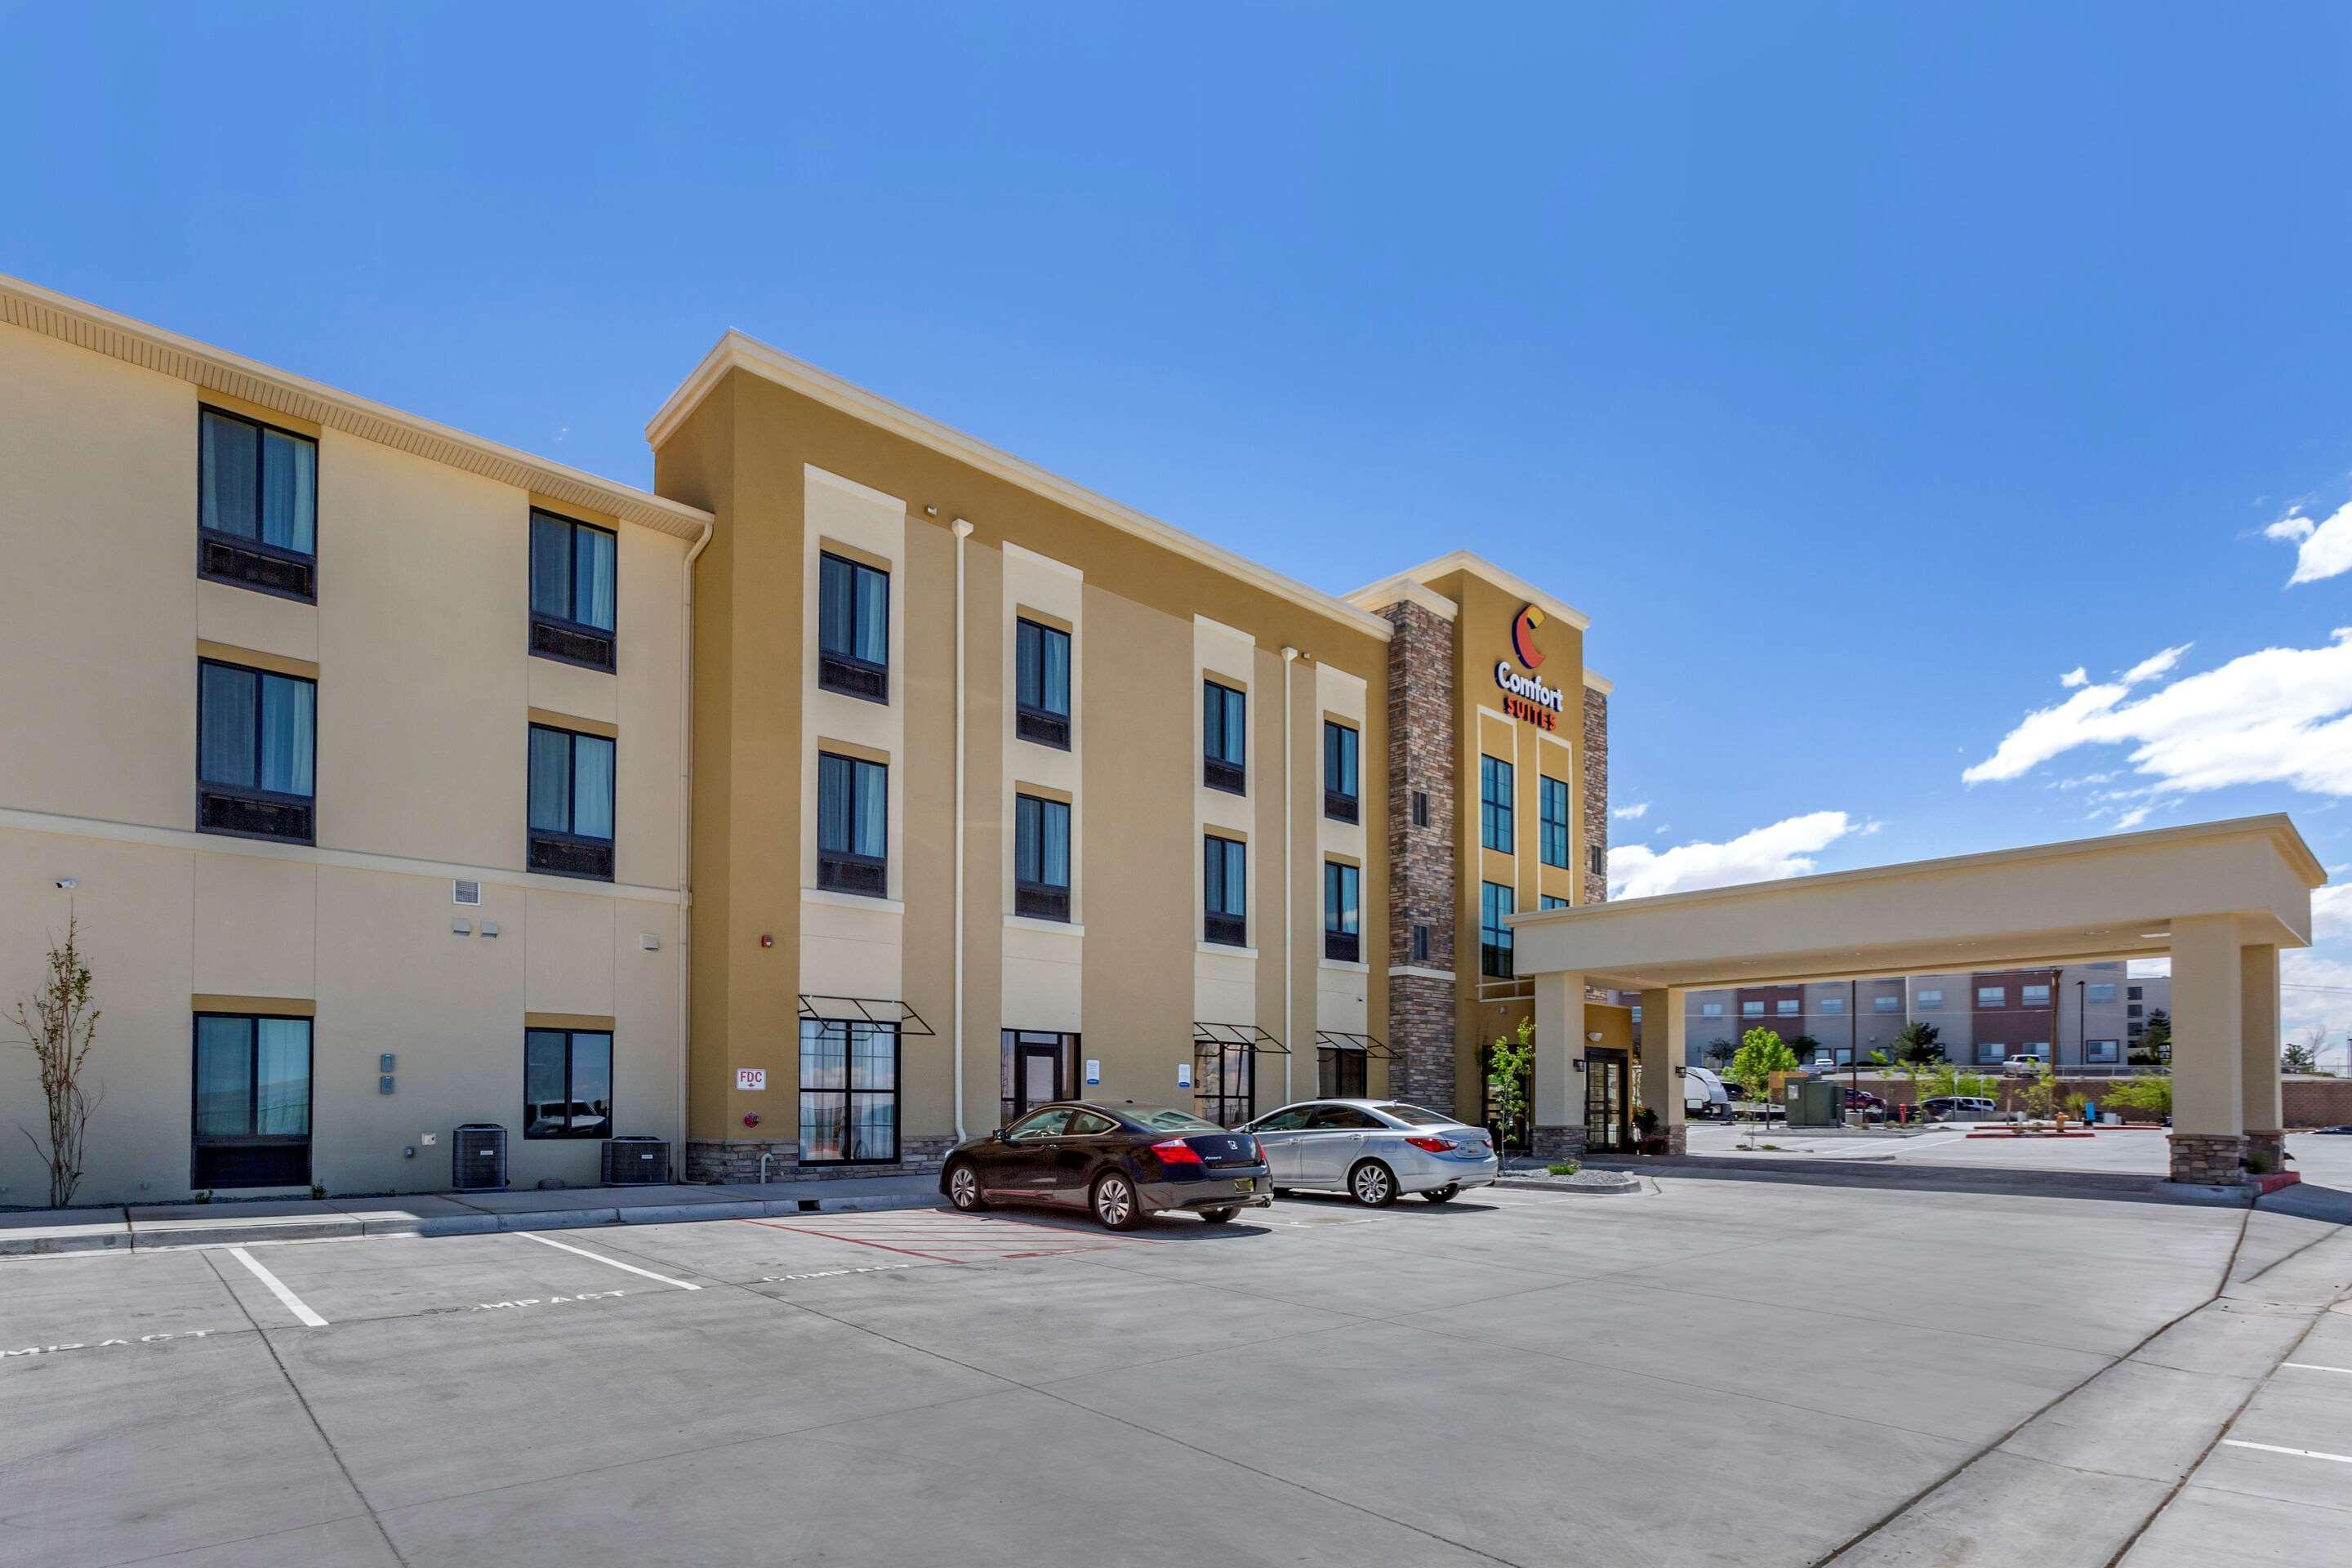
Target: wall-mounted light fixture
1576,1062
1594,1036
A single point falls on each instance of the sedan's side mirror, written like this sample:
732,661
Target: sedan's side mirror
997,1136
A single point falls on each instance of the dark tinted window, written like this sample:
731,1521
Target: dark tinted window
1046,1123
1289,1119
257,483
572,571
1341,1116
1415,1116
1086,1124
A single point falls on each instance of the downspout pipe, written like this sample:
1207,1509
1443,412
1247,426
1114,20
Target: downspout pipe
963,532
685,826
1289,928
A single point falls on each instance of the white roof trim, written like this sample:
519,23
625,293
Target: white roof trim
739,350
1411,589
1600,682
1479,566
86,326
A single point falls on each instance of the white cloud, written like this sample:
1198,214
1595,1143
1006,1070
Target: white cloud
2331,911
2323,550
1761,855
2155,664
2077,676
2282,715
1632,813
2132,819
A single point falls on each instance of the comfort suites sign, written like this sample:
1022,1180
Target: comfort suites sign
1526,696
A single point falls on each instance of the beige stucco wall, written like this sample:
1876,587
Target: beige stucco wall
420,637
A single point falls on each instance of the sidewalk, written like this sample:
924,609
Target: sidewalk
149,1225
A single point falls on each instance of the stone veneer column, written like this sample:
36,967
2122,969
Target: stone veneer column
1558,1117
1662,1063
2258,1058
1596,794
2209,1121
1421,871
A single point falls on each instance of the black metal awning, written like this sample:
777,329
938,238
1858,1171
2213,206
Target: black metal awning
1209,1038
1370,1045
826,1009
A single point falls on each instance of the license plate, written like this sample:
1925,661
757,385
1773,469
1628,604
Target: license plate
1245,1184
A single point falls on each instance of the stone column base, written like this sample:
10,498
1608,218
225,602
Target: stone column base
1678,1138
2211,1159
2270,1148
1558,1143
736,1162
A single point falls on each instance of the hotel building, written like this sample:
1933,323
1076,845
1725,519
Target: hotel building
857,787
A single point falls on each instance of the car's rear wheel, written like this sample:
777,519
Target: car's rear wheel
1372,1185
1116,1203
1445,1194
963,1189
1216,1217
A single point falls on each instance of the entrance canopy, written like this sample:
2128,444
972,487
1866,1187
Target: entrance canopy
2220,898
2051,903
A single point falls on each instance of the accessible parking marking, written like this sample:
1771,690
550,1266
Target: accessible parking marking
567,1246
292,1303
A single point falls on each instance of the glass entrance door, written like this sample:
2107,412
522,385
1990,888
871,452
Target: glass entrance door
1041,1066
1606,1124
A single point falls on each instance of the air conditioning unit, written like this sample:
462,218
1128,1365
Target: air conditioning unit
629,1162
477,1157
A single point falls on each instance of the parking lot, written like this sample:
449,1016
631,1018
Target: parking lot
1711,1371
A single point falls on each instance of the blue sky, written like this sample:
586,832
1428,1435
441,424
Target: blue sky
1862,371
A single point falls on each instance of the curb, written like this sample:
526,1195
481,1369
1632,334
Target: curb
1885,1170
157,1235
1629,1187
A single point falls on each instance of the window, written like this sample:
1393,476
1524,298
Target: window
1341,939
2103,991
1421,808
1990,1052
2034,995
571,803
256,506
1992,997
1636,1012
1710,1009
1595,860
1788,1007
1339,783
256,744
2036,1048
1888,1002
1550,902
2097,1051
2131,994
1494,809
1929,1000
573,570
1291,1118
1050,1123
853,628
2134,1028
1224,738
567,1083
1494,936
1420,945
1041,685
1830,1005
250,1112
2133,1009
1342,1072
1089,1124
849,1092
1039,1065
1551,822
1224,891
853,825
1751,1009
1040,858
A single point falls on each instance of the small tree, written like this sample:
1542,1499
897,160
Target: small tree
2155,1040
2303,1056
1761,1054
60,1025
1510,1062
1805,1048
2039,1096
1719,1053
1918,1043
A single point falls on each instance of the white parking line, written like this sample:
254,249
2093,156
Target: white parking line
2299,1453
292,1302
608,1262
2314,1366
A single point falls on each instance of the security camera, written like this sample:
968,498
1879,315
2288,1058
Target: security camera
67,883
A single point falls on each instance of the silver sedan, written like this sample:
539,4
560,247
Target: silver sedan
1373,1150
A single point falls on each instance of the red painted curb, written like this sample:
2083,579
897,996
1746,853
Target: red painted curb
2265,1185
2021,1135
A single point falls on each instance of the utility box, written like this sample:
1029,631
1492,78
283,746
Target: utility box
1815,1102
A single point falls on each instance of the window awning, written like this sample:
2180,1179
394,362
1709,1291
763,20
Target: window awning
1341,1041
1209,1038
826,1009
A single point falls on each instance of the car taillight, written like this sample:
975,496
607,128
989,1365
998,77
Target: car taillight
1434,1145
1176,1151
1257,1152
